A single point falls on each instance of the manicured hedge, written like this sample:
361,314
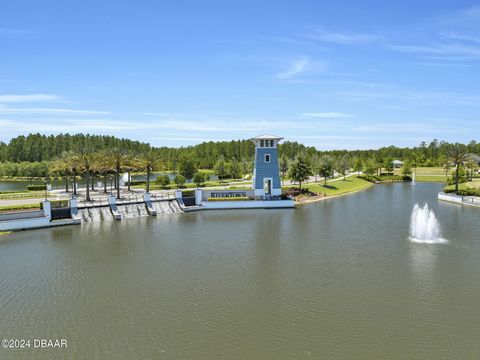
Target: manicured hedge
136,182
464,192
36,187
386,178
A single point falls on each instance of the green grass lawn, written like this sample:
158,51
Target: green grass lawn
431,174
427,174
431,178
474,184
19,207
430,171
22,195
338,187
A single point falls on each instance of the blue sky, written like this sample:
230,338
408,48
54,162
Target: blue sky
332,74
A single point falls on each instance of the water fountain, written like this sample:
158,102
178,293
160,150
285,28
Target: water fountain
424,226
134,210
84,214
166,207
105,213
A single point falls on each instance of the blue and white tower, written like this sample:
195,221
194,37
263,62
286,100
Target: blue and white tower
266,173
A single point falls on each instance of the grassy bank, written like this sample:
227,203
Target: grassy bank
469,188
4,232
318,191
339,187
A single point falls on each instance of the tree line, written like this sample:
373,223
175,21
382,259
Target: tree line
33,155
456,157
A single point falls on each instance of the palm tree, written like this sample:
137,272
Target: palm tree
101,167
148,161
117,159
446,166
470,165
73,166
131,164
458,156
85,157
62,166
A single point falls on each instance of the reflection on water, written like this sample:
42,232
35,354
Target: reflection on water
336,279
422,259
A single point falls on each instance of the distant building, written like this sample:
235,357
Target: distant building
397,164
266,173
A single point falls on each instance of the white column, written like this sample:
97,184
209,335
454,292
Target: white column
147,197
73,204
47,209
112,200
178,194
198,196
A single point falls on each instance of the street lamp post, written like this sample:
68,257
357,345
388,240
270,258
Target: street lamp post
45,190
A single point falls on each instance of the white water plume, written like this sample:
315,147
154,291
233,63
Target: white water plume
424,226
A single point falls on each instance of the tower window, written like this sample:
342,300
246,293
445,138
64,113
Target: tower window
271,143
262,143
267,158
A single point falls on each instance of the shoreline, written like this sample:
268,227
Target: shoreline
315,199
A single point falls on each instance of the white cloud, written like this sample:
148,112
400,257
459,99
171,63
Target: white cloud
297,67
343,37
11,31
326,115
464,37
189,139
445,51
464,17
71,125
49,111
9,98
302,66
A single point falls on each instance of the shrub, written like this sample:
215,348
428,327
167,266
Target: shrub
36,187
136,182
293,192
385,178
180,180
163,181
188,193
199,178
464,192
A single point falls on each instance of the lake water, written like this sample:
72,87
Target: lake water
337,279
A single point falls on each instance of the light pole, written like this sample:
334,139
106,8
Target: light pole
45,190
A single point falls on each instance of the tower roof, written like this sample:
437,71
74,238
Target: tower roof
267,136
